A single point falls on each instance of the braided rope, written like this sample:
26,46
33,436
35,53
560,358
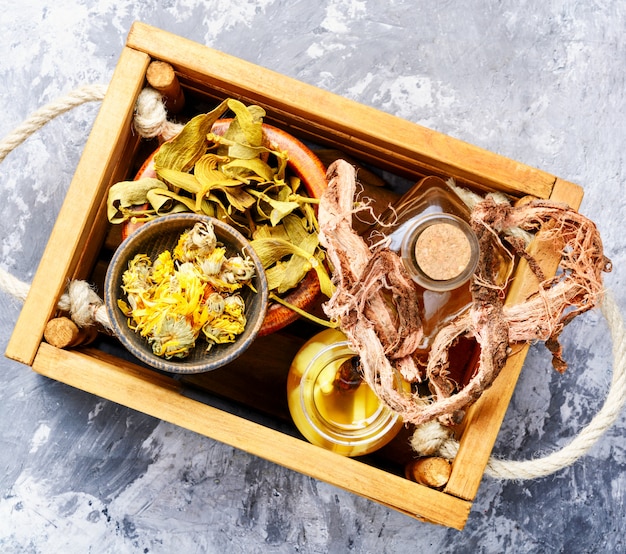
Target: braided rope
12,285
47,113
86,308
601,422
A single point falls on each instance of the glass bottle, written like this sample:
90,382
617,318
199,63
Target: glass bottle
330,403
429,228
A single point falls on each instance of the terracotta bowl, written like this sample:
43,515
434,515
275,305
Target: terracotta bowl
162,234
312,172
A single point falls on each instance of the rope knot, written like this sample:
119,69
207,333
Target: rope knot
151,116
434,439
84,305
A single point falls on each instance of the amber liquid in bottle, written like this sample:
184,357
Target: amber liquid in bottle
330,403
429,228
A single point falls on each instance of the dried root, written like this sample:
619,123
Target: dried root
575,289
374,299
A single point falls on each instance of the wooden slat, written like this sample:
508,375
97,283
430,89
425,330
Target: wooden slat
158,396
389,138
484,418
76,220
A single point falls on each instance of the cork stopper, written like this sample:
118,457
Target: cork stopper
442,251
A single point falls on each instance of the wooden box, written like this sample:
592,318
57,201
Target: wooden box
255,418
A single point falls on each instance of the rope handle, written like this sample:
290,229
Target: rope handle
47,113
86,308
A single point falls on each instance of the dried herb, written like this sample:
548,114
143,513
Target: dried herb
182,152
238,179
125,196
187,293
386,335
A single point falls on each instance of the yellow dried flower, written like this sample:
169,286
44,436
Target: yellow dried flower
173,300
215,304
238,268
175,339
234,306
224,328
212,264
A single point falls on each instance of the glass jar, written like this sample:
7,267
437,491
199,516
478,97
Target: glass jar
330,403
429,228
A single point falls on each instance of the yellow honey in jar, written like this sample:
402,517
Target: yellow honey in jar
331,405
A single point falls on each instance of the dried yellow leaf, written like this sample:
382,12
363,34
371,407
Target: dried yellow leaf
125,194
181,180
184,150
248,123
254,168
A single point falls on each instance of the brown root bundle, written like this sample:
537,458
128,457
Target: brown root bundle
575,289
375,299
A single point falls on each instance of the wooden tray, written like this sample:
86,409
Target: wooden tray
244,405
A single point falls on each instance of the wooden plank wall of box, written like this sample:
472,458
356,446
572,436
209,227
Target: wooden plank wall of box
80,245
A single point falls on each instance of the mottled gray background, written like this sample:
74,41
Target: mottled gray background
540,81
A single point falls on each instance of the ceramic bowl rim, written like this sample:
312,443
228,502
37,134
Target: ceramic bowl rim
118,321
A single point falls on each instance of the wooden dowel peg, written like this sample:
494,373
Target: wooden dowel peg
433,472
62,332
161,77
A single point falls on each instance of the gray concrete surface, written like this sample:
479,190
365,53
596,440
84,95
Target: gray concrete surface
542,82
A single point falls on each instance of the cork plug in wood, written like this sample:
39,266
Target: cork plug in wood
161,77
433,472
62,332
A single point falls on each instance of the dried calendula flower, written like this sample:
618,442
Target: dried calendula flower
185,294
